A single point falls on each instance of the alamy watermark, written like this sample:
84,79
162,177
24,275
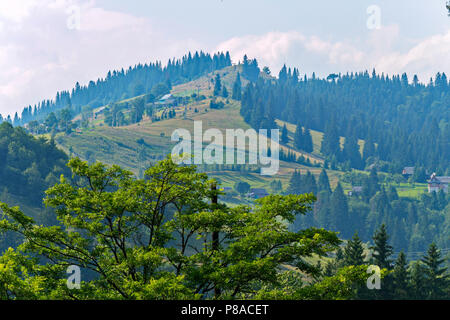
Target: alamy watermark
374,280
74,17
74,279
374,20
239,147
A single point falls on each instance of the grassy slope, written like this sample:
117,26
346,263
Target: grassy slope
317,138
120,146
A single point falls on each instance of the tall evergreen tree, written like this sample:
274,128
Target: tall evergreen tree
298,137
436,277
284,135
217,86
354,252
224,92
418,282
351,152
401,277
295,183
237,88
324,183
339,208
330,143
307,141
381,250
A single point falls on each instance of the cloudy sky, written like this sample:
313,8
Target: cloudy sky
48,45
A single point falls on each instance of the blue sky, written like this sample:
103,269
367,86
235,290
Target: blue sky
48,45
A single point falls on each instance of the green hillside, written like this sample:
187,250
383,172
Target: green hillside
136,146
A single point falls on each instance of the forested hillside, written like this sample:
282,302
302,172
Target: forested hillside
28,166
403,122
345,141
122,84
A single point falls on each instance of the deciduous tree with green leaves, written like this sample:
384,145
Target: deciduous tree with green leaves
153,238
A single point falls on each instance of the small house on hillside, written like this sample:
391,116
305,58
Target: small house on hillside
407,172
357,190
166,100
257,193
436,184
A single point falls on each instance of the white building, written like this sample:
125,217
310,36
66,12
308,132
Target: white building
436,184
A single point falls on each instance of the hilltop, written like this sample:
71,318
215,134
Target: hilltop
135,146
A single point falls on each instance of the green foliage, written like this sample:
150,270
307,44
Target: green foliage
217,85
152,238
27,165
237,88
242,187
354,252
381,248
123,84
401,123
437,281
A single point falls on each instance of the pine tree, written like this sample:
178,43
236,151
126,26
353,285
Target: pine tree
298,137
324,183
330,143
224,92
307,141
339,211
237,88
309,183
283,76
284,135
295,183
217,86
381,248
351,152
436,278
418,282
401,277
354,252
368,150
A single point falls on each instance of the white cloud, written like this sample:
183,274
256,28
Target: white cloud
40,55
425,57
16,10
293,48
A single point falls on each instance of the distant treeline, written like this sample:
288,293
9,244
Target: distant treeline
123,84
413,223
402,122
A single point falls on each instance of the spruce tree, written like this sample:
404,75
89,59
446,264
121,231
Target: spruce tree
436,278
330,143
217,86
401,277
298,137
309,183
354,252
285,135
237,88
381,248
368,150
307,141
224,92
351,152
295,183
324,183
339,211
418,282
